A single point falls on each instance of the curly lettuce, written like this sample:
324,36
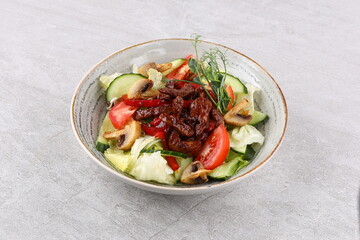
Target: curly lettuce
245,135
153,167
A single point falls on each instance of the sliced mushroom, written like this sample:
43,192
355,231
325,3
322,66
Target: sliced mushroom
113,134
141,89
150,94
236,117
195,173
162,67
126,136
145,68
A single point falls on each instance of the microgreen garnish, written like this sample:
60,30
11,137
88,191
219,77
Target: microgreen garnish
208,71
209,75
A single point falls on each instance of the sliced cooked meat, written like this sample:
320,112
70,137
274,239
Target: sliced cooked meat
170,84
151,112
219,119
175,143
163,96
190,116
185,91
200,92
200,109
177,106
203,136
178,124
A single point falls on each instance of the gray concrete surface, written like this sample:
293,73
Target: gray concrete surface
49,187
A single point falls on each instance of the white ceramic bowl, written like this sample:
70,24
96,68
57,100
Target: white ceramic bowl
88,105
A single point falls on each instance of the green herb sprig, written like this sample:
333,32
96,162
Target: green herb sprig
208,70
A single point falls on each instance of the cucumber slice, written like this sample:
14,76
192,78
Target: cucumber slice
235,83
101,146
183,163
175,64
101,143
240,150
258,117
121,85
247,152
237,86
166,153
228,169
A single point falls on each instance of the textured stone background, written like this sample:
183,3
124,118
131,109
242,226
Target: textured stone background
50,189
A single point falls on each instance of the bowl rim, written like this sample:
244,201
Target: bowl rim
171,188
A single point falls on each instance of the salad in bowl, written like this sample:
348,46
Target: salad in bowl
186,121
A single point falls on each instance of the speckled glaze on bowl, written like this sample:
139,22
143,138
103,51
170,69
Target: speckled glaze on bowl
88,105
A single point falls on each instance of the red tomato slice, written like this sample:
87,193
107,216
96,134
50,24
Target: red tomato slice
190,56
215,149
181,72
120,114
231,94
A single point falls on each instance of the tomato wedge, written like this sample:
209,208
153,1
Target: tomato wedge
215,149
181,72
231,94
190,56
120,114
